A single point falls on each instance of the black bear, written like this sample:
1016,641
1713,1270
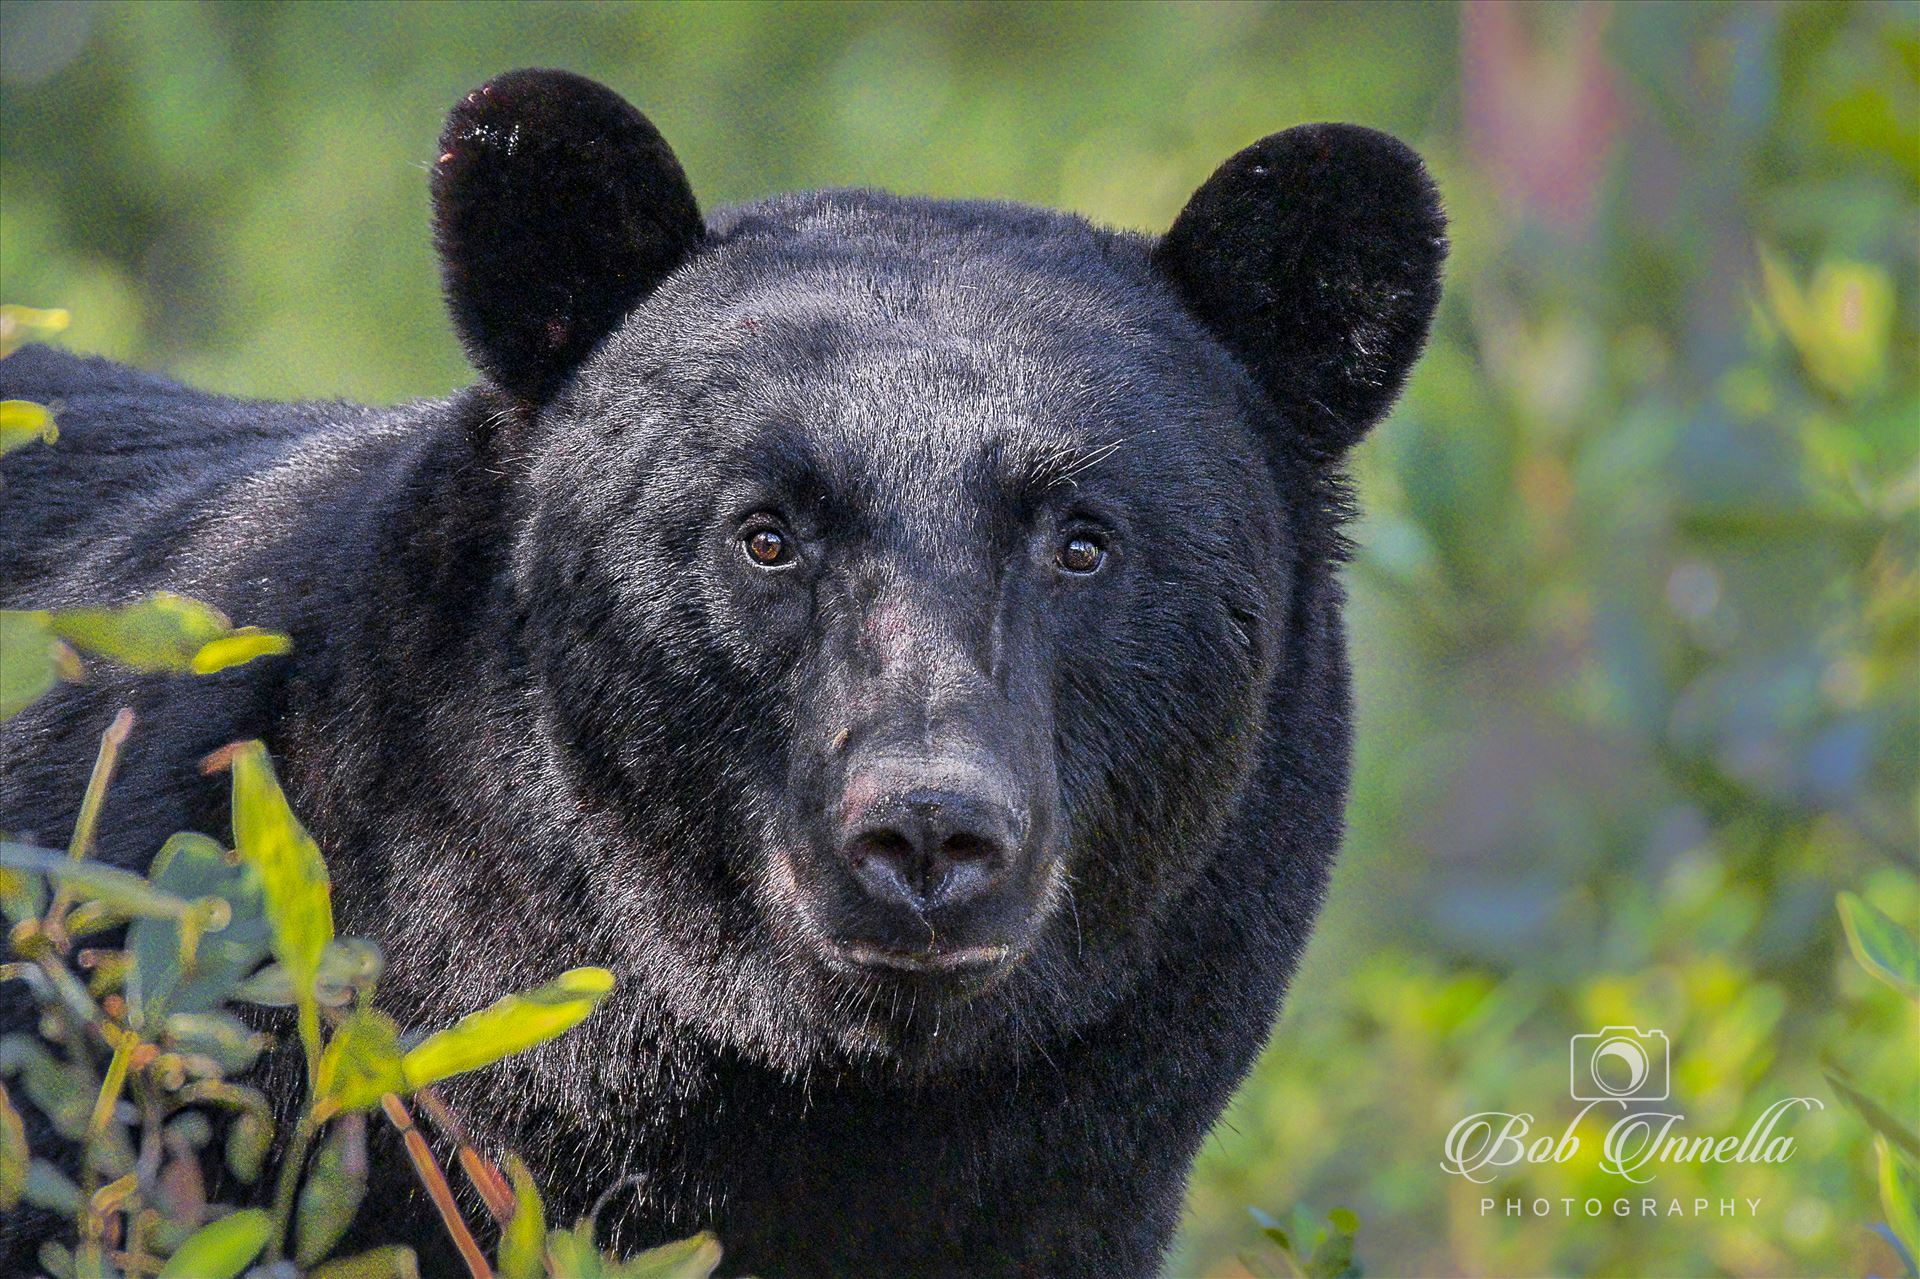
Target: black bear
901,638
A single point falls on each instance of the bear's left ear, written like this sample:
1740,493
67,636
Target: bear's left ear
1315,256
557,208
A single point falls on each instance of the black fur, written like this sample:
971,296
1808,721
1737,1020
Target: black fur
1315,255
541,710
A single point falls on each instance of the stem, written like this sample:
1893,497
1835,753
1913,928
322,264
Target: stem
147,1164
110,1087
436,1183
480,1170
289,1182
88,822
309,1019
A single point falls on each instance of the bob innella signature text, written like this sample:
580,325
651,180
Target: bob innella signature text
1483,1145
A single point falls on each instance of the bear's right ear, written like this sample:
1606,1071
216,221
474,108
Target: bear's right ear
557,208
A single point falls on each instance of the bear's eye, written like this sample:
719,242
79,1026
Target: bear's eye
1082,553
767,547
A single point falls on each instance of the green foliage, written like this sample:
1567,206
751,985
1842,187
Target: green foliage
1900,1196
524,1240
1306,1248
138,1046
1883,948
513,1025
31,664
293,884
222,1249
163,632
1892,954
571,1253
23,422
20,323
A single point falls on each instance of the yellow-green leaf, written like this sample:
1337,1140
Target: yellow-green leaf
27,660
693,1258
22,422
362,1061
335,1185
123,891
1883,947
512,1025
523,1243
14,1156
573,1253
1877,1116
159,633
1899,1196
248,1140
293,879
393,1261
239,648
18,323
222,1249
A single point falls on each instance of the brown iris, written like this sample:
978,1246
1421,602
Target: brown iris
1082,554
767,547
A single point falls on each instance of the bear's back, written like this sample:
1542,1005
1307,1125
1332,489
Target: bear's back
93,517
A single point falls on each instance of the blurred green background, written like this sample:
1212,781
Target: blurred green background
1636,614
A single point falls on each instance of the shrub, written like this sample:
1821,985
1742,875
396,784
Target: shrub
141,1056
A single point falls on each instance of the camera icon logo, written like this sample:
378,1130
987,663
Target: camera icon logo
1620,1063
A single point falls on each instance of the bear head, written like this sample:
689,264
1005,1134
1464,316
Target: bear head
909,581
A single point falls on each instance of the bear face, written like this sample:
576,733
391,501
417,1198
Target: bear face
937,551
935,559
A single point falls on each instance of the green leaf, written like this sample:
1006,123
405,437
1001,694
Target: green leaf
694,1258
1883,947
335,1185
124,891
361,1063
1278,1238
573,1253
194,867
163,632
347,965
63,1091
248,1139
23,894
1899,1196
1344,1220
293,880
49,1188
28,665
1877,1116
523,1243
14,1156
1333,1258
17,323
159,633
394,1261
225,1039
220,1250
22,422
512,1025
239,648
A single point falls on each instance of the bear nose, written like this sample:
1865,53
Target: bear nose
931,847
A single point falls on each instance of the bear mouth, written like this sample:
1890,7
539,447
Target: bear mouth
964,963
